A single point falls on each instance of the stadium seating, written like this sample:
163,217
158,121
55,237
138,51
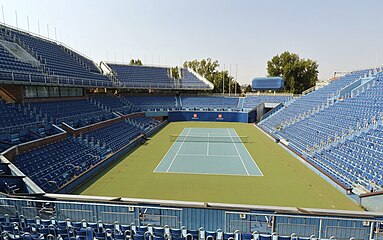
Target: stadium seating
153,103
56,59
9,139
112,103
191,102
338,133
350,112
355,162
22,71
86,62
9,183
61,65
341,138
134,103
155,77
114,136
209,102
18,125
142,76
190,80
252,101
58,63
12,184
21,227
310,101
76,113
53,165
144,123
14,117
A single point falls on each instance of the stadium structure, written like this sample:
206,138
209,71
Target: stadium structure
277,166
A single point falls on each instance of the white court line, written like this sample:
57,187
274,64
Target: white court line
204,134
238,152
256,165
168,151
179,148
203,155
217,174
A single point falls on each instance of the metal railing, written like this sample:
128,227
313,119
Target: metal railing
143,85
93,212
271,94
40,79
312,89
321,227
21,126
23,78
354,225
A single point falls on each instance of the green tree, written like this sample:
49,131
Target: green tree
135,62
175,72
299,74
247,88
208,69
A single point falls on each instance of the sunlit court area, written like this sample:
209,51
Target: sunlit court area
209,151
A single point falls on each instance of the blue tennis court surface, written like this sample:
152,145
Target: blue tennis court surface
208,151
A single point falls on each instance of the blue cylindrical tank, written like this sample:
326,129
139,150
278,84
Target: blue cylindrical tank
267,83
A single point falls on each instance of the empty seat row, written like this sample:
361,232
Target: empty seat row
28,229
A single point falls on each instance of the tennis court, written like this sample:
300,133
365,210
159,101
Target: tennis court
217,151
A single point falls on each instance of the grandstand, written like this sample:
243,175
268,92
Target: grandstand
160,222
159,77
252,101
327,143
76,113
112,103
207,102
69,125
154,103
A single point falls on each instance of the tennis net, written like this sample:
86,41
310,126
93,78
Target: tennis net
219,139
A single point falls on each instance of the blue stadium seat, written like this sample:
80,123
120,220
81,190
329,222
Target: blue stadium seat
57,63
331,134
209,103
155,77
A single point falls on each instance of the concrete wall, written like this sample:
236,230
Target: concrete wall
372,201
24,147
215,116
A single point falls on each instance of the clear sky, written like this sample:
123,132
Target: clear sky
340,34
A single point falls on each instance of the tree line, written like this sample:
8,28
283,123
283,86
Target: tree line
299,73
